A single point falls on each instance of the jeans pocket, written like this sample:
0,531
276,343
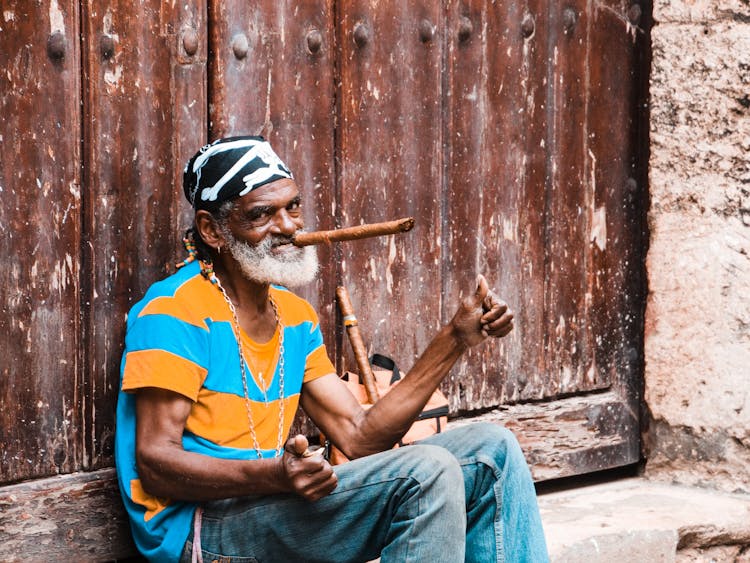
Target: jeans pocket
209,557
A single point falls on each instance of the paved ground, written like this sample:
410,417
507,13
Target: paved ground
634,520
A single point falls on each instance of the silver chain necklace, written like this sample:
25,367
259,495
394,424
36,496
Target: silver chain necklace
237,336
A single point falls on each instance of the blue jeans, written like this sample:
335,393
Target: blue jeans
403,505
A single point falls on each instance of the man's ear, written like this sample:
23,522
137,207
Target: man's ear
208,229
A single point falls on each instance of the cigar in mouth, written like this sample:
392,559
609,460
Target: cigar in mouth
354,233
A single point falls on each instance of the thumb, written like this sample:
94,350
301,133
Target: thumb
297,445
481,291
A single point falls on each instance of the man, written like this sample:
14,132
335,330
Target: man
219,355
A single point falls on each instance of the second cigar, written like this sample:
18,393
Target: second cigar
353,233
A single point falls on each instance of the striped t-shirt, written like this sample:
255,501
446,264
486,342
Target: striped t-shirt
180,337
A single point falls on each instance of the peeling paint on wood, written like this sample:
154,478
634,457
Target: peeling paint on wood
540,126
145,115
495,193
570,436
40,393
389,140
76,517
500,126
284,91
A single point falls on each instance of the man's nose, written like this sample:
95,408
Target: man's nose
286,224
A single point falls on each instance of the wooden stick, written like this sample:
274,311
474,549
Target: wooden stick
354,233
358,346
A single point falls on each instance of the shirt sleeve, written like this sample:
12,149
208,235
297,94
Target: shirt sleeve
163,351
318,363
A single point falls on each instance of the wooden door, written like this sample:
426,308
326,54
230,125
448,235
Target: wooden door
101,107
512,131
271,73
509,130
40,220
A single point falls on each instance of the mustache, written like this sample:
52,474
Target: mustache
278,240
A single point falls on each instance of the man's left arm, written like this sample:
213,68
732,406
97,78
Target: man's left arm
358,432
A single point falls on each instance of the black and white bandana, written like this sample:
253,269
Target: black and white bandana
229,168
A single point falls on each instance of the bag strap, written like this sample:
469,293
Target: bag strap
385,362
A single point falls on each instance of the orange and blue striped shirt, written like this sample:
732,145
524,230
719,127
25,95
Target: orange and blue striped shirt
180,337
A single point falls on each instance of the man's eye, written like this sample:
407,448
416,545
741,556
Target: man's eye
258,217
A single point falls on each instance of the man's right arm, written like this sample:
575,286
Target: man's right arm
168,471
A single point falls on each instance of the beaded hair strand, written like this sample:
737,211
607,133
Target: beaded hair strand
192,248
189,243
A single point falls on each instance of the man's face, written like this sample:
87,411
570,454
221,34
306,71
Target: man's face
259,232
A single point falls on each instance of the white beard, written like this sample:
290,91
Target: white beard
259,264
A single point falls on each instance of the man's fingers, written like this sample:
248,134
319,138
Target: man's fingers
505,331
496,314
494,307
501,327
496,323
309,474
329,486
501,331
322,489
300,444
296,445
313,451
317,467
320,484
481,315
481,291
321,474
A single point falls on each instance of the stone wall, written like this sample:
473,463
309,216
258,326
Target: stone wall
698,312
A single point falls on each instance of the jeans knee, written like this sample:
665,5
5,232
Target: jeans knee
433,466
496,434
495,442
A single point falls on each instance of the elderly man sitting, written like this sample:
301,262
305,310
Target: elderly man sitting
217,359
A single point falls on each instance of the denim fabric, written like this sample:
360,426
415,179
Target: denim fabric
403,505
503,522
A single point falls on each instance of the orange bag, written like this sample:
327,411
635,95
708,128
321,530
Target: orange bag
432,420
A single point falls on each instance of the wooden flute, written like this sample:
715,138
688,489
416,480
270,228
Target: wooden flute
358,345
354,233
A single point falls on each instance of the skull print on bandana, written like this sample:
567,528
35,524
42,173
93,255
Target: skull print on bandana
229,168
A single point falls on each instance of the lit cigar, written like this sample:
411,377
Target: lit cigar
354,233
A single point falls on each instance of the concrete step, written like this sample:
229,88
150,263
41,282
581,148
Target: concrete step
636,520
